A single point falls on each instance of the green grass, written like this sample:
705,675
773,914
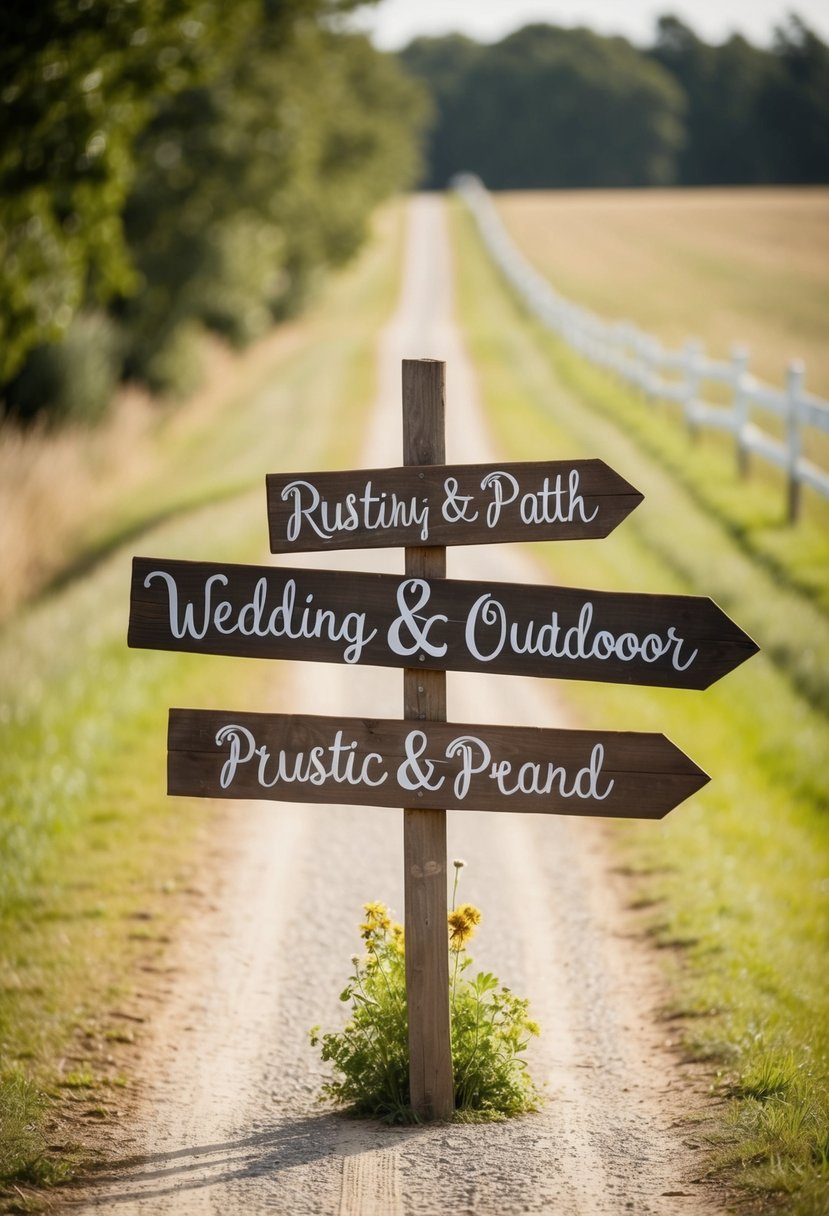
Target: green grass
96,864
734,885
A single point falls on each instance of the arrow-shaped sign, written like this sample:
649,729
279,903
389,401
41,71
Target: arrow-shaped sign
673,641
466,504
428,624
371,762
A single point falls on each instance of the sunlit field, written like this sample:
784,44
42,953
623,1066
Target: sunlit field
747,266
733,886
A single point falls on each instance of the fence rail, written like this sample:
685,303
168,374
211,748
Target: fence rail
671,375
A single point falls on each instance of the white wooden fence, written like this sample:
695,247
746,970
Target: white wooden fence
670,375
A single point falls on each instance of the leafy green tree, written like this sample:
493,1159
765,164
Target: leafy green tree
725,141
794,106
80,79
557,107
551,107
754,116
248,186
182,162
443,64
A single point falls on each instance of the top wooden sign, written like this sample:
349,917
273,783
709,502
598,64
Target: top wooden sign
469,504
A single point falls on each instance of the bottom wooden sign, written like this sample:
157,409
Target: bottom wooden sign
375,762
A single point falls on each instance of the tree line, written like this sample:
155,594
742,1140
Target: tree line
548,107
174,166
171,166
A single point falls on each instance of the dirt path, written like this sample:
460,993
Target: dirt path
228,1121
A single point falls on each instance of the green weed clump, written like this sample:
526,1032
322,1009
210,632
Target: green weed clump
490,1029
24,1157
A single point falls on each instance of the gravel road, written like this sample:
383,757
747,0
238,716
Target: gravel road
228,1121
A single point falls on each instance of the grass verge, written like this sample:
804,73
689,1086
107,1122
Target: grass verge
774,578
753,509
96,865
723,265
734,887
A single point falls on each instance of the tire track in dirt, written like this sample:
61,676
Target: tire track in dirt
228,1121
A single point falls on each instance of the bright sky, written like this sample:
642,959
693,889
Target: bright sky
395,22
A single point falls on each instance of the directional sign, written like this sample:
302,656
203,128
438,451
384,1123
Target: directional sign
428,624
673,641
371,762
469,504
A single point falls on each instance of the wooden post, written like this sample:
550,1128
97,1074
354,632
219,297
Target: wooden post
693,357
740,406
424,831
794,391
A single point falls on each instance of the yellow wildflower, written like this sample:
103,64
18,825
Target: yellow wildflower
462,922
377,919
398,938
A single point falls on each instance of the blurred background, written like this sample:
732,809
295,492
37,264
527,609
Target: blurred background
203,228
174,167
203,221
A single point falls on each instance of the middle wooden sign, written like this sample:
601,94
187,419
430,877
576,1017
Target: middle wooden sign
389,620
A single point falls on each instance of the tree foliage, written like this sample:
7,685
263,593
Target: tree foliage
549,107
181,163
247,187
795,106
754,116
79,81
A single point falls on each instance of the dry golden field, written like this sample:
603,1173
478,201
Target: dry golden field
727,266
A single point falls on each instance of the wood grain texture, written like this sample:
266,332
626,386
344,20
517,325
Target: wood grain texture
649,774
431,1082
451,504
267,607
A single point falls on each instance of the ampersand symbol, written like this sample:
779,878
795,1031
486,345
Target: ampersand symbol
455,505
420,773
409,619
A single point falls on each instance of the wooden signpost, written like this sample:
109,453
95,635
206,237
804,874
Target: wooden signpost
428,624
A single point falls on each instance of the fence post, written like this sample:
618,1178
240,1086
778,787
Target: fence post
650,353
794,390
693,356
618,338
625,342
638,374
740,406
